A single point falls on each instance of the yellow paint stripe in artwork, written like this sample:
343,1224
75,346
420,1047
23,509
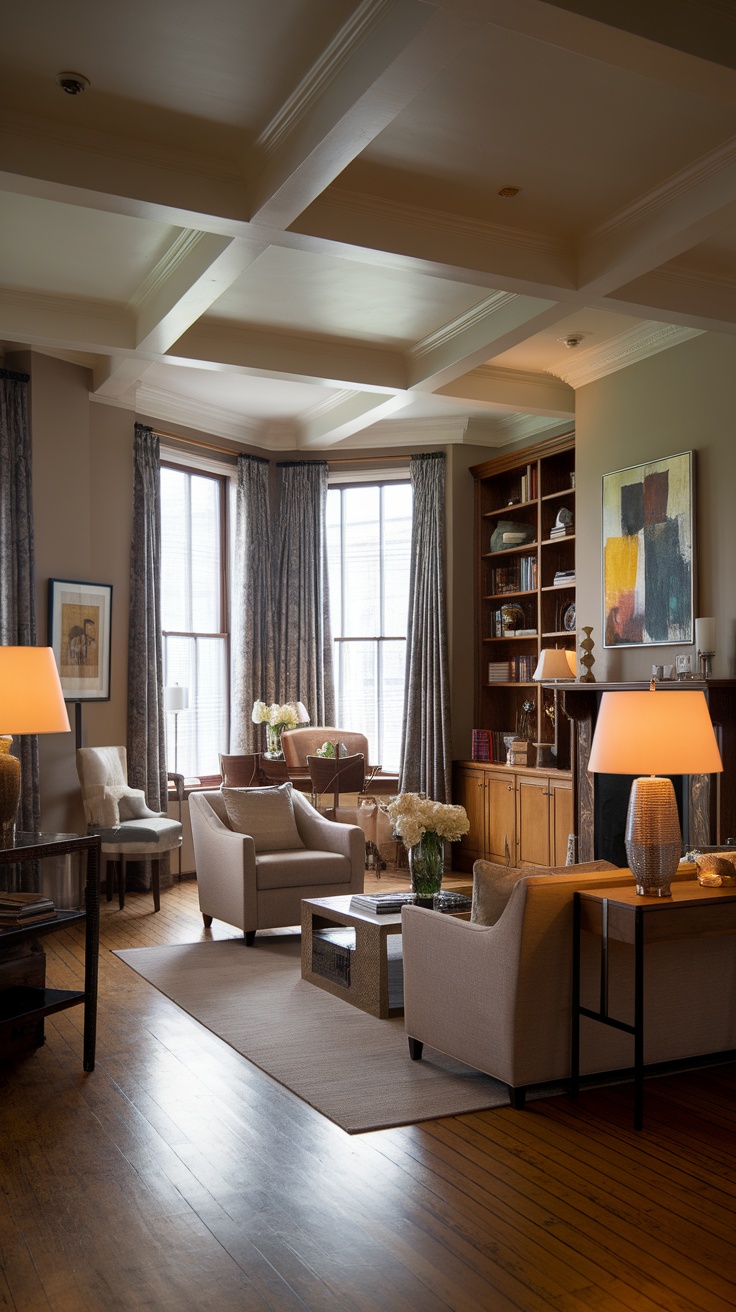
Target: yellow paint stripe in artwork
621,561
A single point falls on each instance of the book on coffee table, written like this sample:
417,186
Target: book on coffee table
380,903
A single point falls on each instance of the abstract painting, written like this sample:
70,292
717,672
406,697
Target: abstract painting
648,553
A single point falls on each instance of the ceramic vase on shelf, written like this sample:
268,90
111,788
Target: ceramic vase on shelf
426,867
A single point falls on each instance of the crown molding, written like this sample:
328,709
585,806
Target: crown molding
163,405
181,247
689,179
368,16
628,348
456,327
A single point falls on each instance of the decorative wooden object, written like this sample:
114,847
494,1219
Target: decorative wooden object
587,659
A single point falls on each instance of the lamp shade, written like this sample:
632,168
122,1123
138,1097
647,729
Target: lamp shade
553,664
176,698
302,712
654,732
705,634
31,697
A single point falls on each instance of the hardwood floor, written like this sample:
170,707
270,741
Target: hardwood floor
178,1176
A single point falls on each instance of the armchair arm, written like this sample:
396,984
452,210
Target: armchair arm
324,835
460,985
226,867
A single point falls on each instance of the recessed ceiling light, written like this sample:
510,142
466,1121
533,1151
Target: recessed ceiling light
508,193
73,83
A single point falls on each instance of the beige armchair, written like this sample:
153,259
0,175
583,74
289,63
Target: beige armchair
263,889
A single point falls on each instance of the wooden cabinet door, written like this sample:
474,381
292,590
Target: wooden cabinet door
501,817
532,798
561,823
470,793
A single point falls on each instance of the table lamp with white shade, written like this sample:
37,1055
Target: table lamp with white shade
31,701
652,734
555,665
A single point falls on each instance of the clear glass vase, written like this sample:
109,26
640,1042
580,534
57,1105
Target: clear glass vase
427,866
274,749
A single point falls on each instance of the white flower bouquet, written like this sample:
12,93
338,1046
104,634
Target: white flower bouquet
413,815
278,717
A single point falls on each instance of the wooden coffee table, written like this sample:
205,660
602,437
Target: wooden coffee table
346,952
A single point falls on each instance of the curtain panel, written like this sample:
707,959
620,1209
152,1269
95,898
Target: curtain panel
426,759
303,635
17,564
146,728
252,663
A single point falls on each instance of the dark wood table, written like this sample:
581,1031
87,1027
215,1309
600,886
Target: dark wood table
691,912
26,1003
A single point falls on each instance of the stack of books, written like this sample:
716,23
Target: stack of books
499,671
519,752
561,530
564,577
380,903
481,745
19,909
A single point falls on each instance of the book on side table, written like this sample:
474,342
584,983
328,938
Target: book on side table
391,903
18,909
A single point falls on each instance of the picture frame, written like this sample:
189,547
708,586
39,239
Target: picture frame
648,541
80,617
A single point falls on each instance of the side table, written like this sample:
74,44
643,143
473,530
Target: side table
35,1003
691,912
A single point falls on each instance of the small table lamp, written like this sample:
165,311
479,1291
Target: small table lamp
555,664
31,701
658,733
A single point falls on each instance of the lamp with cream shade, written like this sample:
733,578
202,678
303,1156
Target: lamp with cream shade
176,699
555,664
652,734
31,701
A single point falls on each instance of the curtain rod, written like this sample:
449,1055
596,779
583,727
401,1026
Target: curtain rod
226,451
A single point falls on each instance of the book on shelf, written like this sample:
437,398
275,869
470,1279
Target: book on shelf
381,903
564,531
499,671
564,577
481,745
16,908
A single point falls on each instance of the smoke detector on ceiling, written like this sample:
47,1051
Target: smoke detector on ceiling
73,83
572,340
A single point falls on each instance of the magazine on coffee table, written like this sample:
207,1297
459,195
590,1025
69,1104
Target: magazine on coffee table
381,903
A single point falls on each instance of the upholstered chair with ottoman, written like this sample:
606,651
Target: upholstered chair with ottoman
129,830
260,851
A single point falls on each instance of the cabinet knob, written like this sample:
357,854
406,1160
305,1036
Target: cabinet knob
509,788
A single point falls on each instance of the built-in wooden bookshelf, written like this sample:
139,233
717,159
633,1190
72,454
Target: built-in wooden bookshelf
525,587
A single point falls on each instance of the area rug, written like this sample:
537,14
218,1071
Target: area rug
351,1067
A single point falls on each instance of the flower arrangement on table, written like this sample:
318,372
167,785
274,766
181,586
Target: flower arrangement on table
276,718
424,827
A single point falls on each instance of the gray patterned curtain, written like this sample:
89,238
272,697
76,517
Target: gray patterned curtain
304,639
17,567
254,677
146,734
427,753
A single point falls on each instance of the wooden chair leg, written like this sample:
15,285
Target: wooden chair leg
207,920
108,878
121,882
156,884
250,937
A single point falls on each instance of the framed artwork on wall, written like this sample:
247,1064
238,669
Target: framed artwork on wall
648,553
79,634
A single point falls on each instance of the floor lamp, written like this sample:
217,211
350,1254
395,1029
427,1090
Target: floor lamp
176,699
654,733
31,701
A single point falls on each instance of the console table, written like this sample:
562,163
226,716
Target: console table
691,912
24,1003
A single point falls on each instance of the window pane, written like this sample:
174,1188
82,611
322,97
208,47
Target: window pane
397,503
174,549
205,555
393,657
358,687
333,520
361,563
195,737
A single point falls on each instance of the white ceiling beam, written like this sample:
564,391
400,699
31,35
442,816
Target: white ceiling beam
325,361
348,416
513,390
500,322
384,56
66,323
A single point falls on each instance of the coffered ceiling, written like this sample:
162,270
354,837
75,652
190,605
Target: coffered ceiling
287,223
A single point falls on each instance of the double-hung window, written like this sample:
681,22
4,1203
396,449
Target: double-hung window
194,614
369,549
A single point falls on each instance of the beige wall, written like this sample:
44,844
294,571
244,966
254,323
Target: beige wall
680,400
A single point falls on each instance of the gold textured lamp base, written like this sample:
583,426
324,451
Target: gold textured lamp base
9,791
653,837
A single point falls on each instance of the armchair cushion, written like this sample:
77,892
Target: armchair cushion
120,803
266,814
494,884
